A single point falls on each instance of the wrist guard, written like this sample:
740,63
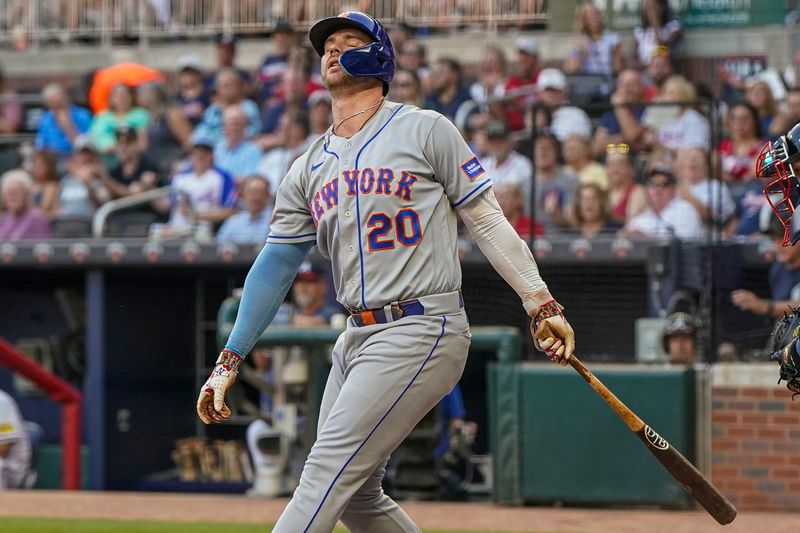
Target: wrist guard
229,360
549,309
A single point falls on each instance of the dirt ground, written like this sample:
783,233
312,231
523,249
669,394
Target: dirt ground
463,516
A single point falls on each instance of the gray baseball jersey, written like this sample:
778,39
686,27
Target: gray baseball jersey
380,205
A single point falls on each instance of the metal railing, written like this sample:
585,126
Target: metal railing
106,210
31,22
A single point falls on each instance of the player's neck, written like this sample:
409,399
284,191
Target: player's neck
346,104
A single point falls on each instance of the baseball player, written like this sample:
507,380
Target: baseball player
378,193
15,447
776,162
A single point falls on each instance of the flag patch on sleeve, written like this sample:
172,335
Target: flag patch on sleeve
472,168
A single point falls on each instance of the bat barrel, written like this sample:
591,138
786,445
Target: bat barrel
688,476
670,458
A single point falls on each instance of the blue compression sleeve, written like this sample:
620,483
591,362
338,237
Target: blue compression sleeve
265,288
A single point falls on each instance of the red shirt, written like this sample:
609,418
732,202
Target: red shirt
523,227
619,211
515,114
740,166
651,92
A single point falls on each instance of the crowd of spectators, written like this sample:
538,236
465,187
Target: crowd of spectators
640,161
235,125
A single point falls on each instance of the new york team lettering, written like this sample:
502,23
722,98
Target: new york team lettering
362,181
325,199
330,193
382,181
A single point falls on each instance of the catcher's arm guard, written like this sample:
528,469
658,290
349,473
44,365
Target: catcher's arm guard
784,350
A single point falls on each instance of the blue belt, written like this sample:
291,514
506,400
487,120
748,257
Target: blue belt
391,312
369,317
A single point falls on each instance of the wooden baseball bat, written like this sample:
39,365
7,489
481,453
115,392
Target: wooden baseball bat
675,463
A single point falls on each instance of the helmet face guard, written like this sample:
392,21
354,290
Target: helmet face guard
372,60
783,190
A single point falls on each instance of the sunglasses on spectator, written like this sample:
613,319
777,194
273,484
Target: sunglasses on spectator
659,184
620,148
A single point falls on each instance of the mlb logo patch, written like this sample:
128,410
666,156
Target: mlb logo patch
472,168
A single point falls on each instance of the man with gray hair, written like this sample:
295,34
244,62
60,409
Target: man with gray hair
20,219
251,225
235,153
62,123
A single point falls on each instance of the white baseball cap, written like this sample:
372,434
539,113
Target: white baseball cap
552,78
189,62
83,142
529,45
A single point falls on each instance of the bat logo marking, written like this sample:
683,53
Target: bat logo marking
655,440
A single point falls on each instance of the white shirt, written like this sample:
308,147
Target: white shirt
690,130
568,120
599,59
646,39
679,217
516,169
274,164
716,196
205,192
15,467
480,94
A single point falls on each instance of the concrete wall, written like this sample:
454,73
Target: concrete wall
774,42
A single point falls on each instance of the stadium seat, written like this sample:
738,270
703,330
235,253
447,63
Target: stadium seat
164,158
66,227
129,224
8,160
591,93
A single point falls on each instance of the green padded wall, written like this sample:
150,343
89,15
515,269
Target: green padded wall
48,466
574,449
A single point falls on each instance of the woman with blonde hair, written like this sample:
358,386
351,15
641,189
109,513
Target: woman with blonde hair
597,52
678,125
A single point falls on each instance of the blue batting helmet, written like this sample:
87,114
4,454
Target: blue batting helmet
373,60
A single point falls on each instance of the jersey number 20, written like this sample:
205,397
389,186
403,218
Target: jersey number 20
406,228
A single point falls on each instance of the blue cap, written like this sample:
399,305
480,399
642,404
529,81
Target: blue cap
203,141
